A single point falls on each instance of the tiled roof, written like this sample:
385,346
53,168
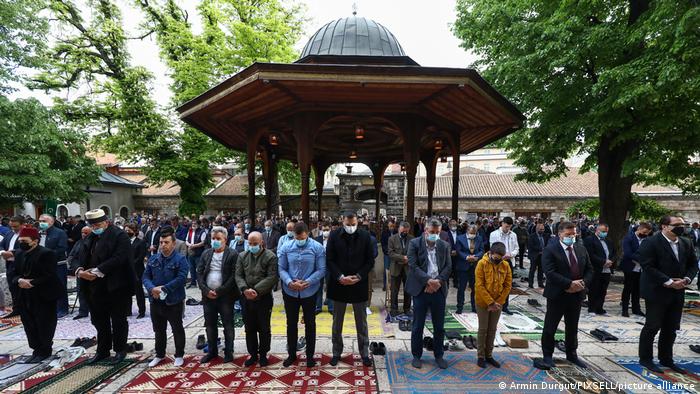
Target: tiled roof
233,186
468,170
504,185
109,178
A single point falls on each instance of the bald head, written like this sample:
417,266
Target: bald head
254,238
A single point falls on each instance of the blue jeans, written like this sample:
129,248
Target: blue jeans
464,278
62,303
421,304
193,260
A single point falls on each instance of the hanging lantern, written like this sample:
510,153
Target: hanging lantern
353,154
258,155
274,139
296,166
359,132
403,166
438,144
443,159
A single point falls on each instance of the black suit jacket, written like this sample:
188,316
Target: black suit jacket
138,250
659,264
555,264
597,253
228,287
349,254
148,243
534,248
40,266
113,257
271,240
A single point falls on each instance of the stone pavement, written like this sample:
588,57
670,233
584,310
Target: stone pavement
598,354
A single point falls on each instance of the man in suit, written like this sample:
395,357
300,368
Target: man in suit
450,236
521,233
632,269
668,263
107,277
73,262
569,273
55,238
270,237
535,246
10,246
195,243
323,240
152,237
429,265
138,250
349,259
470,249
602,254
398,269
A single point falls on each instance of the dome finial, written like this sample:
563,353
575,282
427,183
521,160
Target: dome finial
354,9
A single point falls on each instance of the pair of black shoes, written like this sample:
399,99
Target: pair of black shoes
469,342
84,342
310,362
668,364
377,349
533,302
405,325
264,362
603,335
428,344
118,357
366,361
36,359
228,357
192,302
134,347
695,348
482,362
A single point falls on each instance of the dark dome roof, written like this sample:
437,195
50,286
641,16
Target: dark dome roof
353,36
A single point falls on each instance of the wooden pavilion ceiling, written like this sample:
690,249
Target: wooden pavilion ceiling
268,97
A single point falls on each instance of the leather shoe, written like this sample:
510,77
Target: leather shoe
334,361
250,362
674,367
207,357
493,362
651,366
228,357
576,361
639,313
141,315
79,316
481,362
366,361
119,357
441,363
98,357
290,360
264,362
416,363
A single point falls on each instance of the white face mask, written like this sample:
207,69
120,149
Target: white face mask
326,234
350,229
471,236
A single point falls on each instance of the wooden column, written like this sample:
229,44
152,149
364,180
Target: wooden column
305,126
320,172
430,163
411,141
252,148
455,181
378,173
270,175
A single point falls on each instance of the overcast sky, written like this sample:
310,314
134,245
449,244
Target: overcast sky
422,28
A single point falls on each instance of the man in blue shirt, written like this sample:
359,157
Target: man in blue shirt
164,279
302,265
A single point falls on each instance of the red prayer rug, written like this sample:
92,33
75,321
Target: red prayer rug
40,377
349,376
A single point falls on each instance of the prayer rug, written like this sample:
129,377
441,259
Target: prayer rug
79,378
670,382
67,328
516,375
8,323
39,377
517,291
349,376
324,323
580,380
522,323
630,331
15,371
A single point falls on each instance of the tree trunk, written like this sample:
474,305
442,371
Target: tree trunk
615,190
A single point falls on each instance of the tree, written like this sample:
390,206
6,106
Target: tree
645,209
615,81
41,159
22,38
234,35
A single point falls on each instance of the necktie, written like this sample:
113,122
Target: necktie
573,265
471,246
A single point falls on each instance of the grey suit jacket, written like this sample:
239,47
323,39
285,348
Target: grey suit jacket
396,252
418,265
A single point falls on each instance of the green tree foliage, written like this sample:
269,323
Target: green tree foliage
234,35
40,158
615,81
643,209
22,38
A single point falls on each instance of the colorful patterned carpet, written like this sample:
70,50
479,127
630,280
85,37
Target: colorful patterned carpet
463,375
586,381
39,377
349,376
80,378
670,382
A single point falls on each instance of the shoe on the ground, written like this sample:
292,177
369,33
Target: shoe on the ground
459,311
639,313
574,359
61,314
416,363
481,362
651,366
98,357
141,315
264,362
373,347
201,342
548,362
290,360
179,361
493,362
695,348
310,363
154,362
625,313
79,316
366,361
119,357
228,357
334,361
382,349
674,367
507,311
251,361
77,342
441,363
368,311
207,358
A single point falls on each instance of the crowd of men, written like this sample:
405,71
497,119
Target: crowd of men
235,260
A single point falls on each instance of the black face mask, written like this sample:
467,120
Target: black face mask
678,230
130,234
641,235
403,235
25,246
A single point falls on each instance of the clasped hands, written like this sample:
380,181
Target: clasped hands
349,280
251,294
87,275
576,286
25,283
433,286
677,284
494,307
299,285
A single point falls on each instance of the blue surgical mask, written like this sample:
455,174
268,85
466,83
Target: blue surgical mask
237,238
98,231
433,237
268,228
215,244
603,234
568,241
290,234
247,226
43,226
254,249
301,242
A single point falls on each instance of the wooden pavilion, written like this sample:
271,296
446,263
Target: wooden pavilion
353,96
